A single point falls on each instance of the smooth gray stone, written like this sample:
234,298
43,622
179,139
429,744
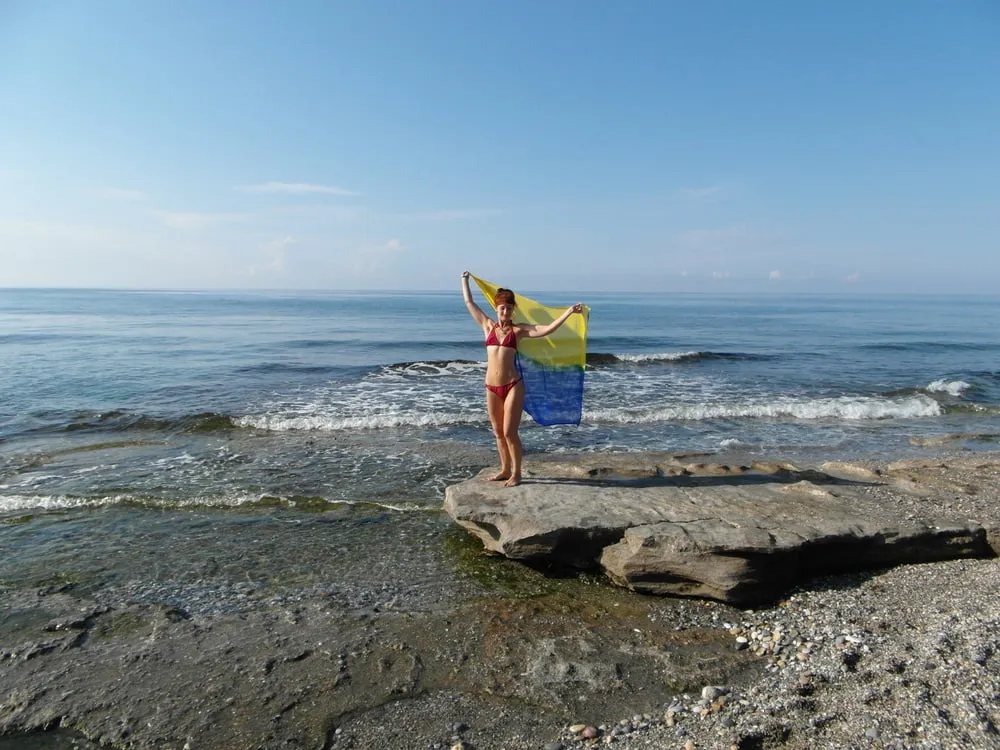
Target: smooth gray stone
740,534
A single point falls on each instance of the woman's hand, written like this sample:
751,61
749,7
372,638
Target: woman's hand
466,274
577,308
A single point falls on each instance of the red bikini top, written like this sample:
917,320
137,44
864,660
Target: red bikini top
510,340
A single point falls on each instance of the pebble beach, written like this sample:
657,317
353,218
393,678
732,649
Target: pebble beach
907,657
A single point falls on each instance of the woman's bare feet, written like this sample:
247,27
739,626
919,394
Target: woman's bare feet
500,476
513,481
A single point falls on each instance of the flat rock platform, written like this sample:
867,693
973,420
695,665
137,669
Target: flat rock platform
740,533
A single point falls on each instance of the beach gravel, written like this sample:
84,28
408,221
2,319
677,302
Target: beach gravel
904,658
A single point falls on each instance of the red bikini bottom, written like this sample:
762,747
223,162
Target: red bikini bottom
502,390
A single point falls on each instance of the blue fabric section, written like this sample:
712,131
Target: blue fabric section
552,395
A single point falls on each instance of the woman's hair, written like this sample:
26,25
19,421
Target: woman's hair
504,295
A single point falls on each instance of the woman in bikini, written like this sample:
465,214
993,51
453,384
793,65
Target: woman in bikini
504,389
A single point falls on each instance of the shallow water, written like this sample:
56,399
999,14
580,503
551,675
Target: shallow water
210,562
215,450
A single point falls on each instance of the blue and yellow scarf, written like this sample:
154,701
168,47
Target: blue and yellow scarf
551,367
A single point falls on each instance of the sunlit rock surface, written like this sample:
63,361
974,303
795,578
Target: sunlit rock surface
738,533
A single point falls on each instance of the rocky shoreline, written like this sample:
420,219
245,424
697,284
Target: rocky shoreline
741,533
904,657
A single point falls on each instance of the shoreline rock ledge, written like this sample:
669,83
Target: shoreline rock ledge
741,534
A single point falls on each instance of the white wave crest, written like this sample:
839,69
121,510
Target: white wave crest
663,357
280,423
951,387
26,503
17,503
844,407
427,370
730,443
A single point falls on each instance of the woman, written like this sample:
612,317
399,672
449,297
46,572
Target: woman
504,389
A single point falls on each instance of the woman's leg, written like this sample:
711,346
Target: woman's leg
494,407
512,408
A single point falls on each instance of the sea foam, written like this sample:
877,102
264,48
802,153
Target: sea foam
951,387
326,423
29,503
844,407
661,357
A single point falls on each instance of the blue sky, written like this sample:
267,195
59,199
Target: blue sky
662,145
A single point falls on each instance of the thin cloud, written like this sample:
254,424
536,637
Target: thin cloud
739,233
854,277
194,220
53,231
274,254
319,212
453,214
699,237
371,259
711,192
119,194
774,275
381,250
294,188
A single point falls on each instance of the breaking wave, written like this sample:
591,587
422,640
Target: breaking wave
598,358
844,407
280,423
430,368
28,503
951,387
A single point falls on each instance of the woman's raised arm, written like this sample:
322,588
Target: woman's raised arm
538,331
474,310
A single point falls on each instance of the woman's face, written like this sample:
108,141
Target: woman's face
505,310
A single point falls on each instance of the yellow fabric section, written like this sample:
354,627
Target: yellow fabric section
564,348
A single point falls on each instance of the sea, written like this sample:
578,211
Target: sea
219,450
